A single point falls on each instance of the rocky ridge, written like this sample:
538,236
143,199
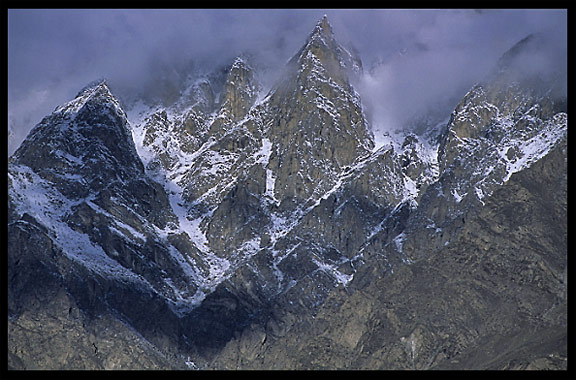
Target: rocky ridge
225,228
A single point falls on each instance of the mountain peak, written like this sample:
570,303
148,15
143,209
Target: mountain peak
240,89
95,92
229,229
89,131
322,53
323,27
322,35
93,86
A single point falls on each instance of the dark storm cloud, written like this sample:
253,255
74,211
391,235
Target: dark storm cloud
412,58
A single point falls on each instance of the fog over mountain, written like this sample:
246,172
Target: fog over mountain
390,193
412,59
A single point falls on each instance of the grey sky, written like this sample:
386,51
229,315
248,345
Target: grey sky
422,55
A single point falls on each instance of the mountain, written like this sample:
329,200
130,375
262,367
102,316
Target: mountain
215,226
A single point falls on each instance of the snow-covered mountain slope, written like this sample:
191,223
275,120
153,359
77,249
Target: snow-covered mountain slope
255,176
194,191
228,208
78,174
501,127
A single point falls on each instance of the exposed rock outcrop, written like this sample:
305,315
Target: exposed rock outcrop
225,228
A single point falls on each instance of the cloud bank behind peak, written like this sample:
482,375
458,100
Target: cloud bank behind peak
413,59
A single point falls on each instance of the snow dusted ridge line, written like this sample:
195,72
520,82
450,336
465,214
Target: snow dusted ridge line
39,199
228,206
536,147
173,179
515,153
218,267
48,206
194,152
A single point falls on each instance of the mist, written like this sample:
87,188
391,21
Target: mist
440,55
414,60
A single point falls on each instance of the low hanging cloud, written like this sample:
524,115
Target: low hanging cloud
443,54
408,86
414,60
56,52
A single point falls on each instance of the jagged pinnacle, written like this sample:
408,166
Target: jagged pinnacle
322,35
323,27
92,85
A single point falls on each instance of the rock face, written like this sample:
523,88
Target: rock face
227,228
84,224
493,298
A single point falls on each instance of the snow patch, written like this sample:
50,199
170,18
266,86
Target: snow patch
332,270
